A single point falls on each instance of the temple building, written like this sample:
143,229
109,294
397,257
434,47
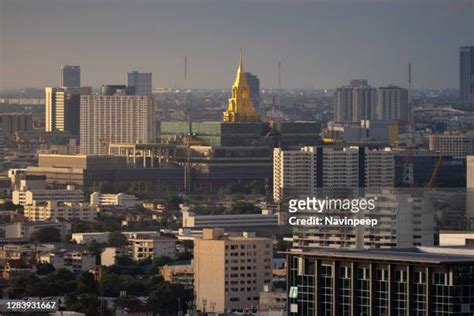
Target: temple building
241,107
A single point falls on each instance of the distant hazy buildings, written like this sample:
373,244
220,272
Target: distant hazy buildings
70,76
356,102
392,104
118,118
359,101
62,108
254,86
13,123
230,272
141,82
303,172
466,74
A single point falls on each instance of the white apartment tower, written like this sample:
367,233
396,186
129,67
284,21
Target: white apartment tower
303,172
115,119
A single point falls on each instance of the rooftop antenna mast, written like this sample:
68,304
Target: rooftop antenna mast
279,75
185,68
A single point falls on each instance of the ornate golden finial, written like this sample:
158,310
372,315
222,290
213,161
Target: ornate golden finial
241,107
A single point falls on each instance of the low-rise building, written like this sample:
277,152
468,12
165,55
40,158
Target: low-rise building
54,210
85,238
109,255
179,274
25,229
143,248
191,220
119,200
75,261
26,196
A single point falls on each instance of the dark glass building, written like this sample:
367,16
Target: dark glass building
382,282
70,76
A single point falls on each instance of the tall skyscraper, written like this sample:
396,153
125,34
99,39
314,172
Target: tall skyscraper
466,74
355,103
118,118
254,86
230,271
241,107
70,76
392,104
142,82
62,106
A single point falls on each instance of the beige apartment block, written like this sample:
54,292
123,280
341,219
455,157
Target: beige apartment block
230,272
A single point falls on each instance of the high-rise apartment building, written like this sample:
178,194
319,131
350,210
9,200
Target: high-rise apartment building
141,82
70,76
62,108
15,122
118,118
355,103
230,272
466,74
402,281
392,104
303,172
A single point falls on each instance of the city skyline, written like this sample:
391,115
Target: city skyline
318,43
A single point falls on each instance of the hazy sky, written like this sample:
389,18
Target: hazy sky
321,44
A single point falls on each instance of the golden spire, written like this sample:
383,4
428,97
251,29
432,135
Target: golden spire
241,107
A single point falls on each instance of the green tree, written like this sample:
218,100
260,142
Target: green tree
110,284
46,234
84,303
117,239
43,268
166,298
127,301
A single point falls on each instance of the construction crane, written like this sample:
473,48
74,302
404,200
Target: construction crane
438,164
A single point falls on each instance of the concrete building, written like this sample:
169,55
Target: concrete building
25,229
355,102
70,76
179,274
109,255
24,196
85,238
119,199
54,210
303,172
405,281
151,247
453,144
13,123
242,221
456,238
75,261
392,104
466,74
141,82
230,272
119,118
403,220
62,108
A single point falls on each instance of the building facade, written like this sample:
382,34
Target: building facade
230,272
392,104
114,119
119,199
403,281
303,172
54,210
355,102
466,74
62,108
453,144
70,76
24,196
141,82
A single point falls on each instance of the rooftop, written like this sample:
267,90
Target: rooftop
420,255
